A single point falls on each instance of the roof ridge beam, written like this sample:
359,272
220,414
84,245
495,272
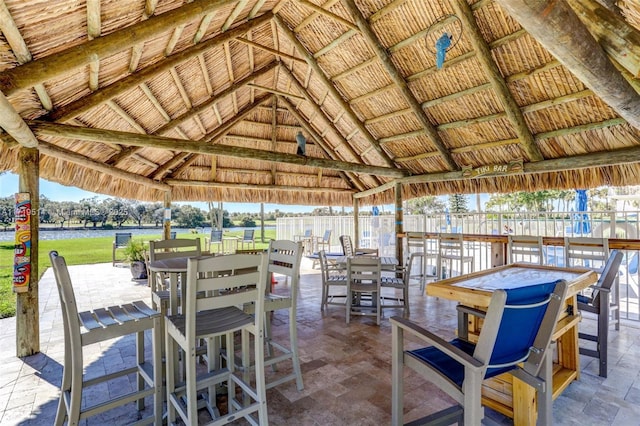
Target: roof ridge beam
516,117
332,89
373,41
548,21
109,92
160,142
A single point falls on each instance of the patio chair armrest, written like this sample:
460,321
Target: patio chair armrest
436,341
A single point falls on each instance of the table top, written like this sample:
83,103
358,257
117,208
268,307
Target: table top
385,261
476,288
173,264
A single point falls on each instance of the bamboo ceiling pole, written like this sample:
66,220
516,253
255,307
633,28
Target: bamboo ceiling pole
52,66
549,21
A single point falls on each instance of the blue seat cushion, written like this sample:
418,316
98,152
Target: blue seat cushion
584,299
449,366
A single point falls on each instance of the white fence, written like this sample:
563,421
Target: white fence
379,232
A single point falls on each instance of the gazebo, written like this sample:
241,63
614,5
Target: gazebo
315,102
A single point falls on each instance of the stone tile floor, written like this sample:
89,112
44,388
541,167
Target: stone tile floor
346,368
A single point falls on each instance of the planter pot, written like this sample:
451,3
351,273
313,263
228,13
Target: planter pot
138,270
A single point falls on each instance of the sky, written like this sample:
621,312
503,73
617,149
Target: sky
57,192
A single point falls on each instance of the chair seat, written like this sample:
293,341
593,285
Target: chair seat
395,282
213,322
448,366
106,323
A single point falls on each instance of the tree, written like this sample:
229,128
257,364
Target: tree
91,211
428,204
248,222
139,212
7,211
118,210
190,217
458,203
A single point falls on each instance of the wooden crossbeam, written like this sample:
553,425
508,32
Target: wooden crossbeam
182,182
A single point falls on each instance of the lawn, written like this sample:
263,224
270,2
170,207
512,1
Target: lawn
78,252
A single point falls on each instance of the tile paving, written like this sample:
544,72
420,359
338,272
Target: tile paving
346,368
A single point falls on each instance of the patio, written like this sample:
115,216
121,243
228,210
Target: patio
341,387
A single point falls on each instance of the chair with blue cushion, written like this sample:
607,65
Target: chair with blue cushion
601,304
515,337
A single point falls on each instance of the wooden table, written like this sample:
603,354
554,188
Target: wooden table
176,268
505,393
387,263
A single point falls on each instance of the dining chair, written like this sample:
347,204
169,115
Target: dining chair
397,281
601,304
160,283
215,287
349,250
363,280
82,329
214,243
332,276
515,337
307,240
247,238
525,249
324,242
120,241
283,258
451,248
419,251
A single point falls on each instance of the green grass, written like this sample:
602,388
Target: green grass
79,251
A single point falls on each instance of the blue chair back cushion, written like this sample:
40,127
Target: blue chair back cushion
516,334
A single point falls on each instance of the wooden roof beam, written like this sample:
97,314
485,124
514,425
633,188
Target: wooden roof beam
136,50
620,40
109,92
276,92
325,12
23,77
14,125
218,133
20,50
549,21
332,89
197,147
180,182
576,162
331,153
500,87
73,157
398,79
270,50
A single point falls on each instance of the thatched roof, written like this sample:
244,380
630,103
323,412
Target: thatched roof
134,98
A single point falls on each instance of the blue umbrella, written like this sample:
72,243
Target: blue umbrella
581,225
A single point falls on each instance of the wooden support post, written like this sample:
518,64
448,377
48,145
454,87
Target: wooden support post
166,223
27,314
399,222
356,224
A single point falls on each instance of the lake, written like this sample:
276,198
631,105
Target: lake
95,233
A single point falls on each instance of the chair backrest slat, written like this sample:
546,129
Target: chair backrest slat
525,248
586,251
608,276
347,245
284,258
180,247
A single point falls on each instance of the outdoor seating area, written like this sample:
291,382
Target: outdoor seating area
340,387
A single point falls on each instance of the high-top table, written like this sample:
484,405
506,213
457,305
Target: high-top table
505,393
176,268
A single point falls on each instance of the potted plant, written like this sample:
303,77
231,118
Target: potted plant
134,253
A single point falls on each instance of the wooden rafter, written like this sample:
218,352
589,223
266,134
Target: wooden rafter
234,14
325,12
19,78
548,21
109,92
179,182
14,125
94,27
381,52
620,40
483,53
197,147
136,50
275,91
270,50
349,178
73,157
334,92
204,26
20,50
